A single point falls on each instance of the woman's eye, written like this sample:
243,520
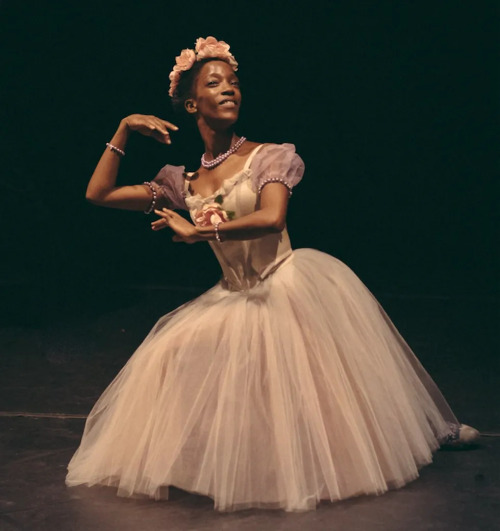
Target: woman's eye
236,83
211,83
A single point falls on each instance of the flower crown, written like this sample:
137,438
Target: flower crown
204,48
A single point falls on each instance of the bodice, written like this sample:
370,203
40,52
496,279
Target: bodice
244,263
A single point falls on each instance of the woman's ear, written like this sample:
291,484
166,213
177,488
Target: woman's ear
190,106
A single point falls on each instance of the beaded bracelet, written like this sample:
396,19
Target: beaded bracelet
115,149
216,228
153,201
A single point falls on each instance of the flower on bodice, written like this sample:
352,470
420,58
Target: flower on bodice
210,214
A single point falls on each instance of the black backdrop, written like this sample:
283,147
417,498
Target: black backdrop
392,105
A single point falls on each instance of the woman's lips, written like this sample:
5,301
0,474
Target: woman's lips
228,103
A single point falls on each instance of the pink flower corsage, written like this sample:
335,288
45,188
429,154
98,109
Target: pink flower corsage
204,48
210,214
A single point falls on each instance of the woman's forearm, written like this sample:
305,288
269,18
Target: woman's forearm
254,225
102,189
104,177
270,218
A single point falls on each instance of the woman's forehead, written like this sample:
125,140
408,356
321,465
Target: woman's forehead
220,68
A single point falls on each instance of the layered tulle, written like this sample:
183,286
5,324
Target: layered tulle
297,390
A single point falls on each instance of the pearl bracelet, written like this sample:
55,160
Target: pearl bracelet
153,201
216,228
115,149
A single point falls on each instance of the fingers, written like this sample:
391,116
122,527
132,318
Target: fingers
169,125
165,213
163,222
184,231
160,129
159,224
160,136
156,127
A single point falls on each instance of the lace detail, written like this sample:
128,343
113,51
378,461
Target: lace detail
453,435
196,201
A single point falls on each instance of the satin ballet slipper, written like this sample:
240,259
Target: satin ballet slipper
467,438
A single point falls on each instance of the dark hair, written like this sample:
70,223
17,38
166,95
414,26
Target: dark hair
187,81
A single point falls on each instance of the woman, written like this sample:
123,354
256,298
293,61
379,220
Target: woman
284,384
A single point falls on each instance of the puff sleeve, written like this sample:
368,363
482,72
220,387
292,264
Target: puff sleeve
276,163
169,187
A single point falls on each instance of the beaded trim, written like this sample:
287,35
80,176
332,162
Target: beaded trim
115,149
153,201
275,180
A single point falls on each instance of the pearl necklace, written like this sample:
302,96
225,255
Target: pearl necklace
211,164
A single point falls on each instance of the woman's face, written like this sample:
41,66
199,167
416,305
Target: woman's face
217,95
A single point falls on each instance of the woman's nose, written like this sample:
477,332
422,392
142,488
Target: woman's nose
227,89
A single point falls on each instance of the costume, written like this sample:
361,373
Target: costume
284,384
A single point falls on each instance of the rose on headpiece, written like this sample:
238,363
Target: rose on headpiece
204,49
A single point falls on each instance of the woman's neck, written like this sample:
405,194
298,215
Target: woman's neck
216,142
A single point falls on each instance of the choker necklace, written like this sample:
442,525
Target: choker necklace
211,164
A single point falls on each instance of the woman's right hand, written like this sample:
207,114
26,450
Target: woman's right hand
149,125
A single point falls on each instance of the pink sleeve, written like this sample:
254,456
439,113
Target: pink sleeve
169,186
276,163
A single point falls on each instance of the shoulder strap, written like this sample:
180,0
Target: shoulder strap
251,156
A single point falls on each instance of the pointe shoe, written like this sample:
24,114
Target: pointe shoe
464,438
467,434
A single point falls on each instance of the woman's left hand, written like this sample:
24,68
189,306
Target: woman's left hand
184,231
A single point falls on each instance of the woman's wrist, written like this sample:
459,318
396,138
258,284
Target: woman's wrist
205,234
119,139
124,127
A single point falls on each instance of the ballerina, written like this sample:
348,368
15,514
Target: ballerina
283,385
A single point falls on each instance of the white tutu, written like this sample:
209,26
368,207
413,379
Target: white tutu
297,390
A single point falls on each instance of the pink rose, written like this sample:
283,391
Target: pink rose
174,77
211,44
210,214
211,47
186,60
183,62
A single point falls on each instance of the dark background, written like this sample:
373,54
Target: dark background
392,105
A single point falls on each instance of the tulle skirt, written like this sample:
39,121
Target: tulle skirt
297,390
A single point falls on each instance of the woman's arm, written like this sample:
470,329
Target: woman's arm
269,218
102,189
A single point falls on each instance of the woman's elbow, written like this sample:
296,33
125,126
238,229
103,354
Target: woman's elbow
277,224
93,198
90,197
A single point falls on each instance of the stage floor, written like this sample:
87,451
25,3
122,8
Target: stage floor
58,356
